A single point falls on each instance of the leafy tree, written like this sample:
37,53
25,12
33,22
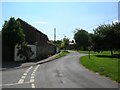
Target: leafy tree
12,34
82,39
107,37
116,29
99,38
57,43
65,43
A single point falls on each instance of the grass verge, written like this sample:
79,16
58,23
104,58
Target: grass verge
103,64
63,53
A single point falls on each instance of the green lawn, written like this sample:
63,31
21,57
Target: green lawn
102,63
63,53
86,52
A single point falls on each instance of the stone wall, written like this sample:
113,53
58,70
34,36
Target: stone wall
40,52
48,49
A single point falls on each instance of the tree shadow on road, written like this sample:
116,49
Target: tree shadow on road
8,64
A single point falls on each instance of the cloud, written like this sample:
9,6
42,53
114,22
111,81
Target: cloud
116,21
41,22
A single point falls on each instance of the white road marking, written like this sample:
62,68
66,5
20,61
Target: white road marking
33,74
10,84
25,74
32,80
28,69
32,77
22,79
33,85
35,70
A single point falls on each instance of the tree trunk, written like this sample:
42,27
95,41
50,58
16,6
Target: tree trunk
111,52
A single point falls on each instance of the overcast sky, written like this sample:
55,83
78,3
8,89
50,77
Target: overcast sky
64,16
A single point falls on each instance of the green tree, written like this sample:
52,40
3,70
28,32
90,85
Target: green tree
107,37
12,34
57,43
65,43
116,29
82,39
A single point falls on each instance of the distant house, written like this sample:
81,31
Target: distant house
71,46
37,40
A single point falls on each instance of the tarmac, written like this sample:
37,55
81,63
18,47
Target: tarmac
17,65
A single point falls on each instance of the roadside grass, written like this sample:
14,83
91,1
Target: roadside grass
63,53
103,64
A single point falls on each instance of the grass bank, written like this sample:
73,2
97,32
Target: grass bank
103,64
63,53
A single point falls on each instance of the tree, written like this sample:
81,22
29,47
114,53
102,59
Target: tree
107,37
57,43
116,28
12,34
65,43
82,39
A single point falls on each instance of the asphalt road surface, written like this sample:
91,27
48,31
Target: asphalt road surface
66,72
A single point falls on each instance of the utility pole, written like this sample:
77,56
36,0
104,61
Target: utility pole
54,34
55,39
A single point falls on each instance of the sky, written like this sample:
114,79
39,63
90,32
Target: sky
64,16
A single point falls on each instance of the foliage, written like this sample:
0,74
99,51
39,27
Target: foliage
25,52
82,39
12,32
65,43
107,37
57,43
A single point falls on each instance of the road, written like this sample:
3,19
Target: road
66,72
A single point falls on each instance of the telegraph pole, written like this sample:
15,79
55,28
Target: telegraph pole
54,34
55,39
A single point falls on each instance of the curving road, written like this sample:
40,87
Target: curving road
66,72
